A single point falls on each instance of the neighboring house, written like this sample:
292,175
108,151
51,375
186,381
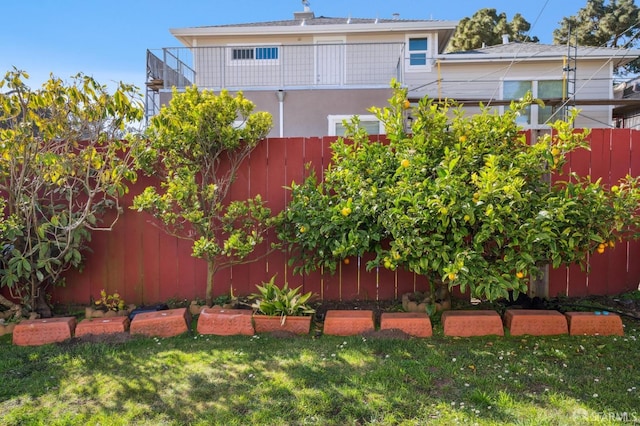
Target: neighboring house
561,76
627,113
312,72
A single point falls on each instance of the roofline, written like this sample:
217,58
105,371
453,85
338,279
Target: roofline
625,57
400,26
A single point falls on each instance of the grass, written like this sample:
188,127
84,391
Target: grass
266,380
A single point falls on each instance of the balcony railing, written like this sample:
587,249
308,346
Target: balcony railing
277,66
264,67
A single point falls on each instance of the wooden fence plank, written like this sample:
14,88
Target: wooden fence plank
620,166
633,251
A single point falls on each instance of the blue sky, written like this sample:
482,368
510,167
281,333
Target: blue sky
108,39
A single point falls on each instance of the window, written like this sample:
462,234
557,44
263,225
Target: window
549,89
514,90
418,53
370,123
242,54
266,53
259,53
543,89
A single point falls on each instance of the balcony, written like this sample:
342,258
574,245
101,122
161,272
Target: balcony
269,67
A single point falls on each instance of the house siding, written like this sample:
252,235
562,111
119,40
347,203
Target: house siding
305,112
593,81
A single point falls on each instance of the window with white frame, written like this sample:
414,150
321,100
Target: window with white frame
534,115
370,123
418,53
244,54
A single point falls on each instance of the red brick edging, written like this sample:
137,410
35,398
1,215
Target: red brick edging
168,323
413,323
348,323
472,323
218,321
43,331
535,322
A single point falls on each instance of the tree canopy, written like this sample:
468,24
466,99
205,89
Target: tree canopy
463,200
486,27
64,165
615,24
197,143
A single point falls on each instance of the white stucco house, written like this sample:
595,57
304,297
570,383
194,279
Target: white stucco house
311,72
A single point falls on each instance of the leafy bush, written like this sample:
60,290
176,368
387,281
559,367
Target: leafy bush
66,160
464,200
272,300
110,302
196,148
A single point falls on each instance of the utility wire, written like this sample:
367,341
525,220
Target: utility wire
518,59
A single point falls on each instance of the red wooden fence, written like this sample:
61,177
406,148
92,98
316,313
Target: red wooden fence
145,265
614,154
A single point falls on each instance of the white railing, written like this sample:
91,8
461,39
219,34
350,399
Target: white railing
279,66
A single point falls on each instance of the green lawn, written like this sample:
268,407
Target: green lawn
204,380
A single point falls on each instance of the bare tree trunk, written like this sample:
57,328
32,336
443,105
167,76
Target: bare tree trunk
41,306
209,293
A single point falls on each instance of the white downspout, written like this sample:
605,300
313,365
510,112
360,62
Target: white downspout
280,94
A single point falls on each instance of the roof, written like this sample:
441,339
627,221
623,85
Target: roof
307,23
537,51
320,20
628,90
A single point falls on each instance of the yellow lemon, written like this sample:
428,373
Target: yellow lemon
346,211
462,138
406,104
405,163
452,276
302,229
520,275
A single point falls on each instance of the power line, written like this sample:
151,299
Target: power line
518,59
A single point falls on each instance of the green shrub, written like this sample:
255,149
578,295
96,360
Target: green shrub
275,301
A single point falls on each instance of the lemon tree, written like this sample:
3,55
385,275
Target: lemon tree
197,143
464,200
331,221
65,160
